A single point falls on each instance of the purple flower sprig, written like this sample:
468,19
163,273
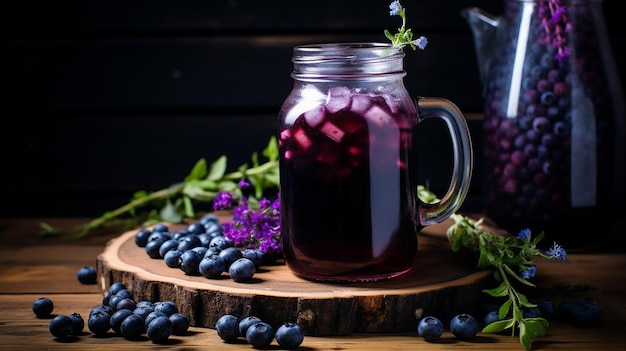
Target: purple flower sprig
255,224
556,25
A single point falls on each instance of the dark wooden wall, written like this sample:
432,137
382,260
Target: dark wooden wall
103,98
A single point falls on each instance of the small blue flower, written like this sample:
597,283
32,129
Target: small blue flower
556,251
529,272
395,8
524,234
421,42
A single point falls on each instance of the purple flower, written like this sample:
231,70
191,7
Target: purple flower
243,184
529,272
557,252
524,234
223,201
256,229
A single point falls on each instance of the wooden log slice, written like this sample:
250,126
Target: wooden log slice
441,284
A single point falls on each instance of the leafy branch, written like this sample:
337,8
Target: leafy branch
506,255
176,202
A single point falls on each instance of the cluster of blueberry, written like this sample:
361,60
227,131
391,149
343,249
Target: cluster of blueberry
200,249
257,333
463,326
583,313
120,313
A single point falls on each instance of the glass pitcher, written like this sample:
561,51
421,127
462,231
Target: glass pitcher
554,120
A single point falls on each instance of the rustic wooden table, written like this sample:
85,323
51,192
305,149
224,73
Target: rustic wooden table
32,267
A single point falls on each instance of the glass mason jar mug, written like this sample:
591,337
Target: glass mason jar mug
348,192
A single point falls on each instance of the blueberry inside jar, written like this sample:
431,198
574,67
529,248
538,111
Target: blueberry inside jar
554,149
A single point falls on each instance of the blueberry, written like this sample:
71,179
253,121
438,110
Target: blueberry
289,336
115,288
227,327
254,255
141,237
220,242
189,242
585,314
246,322
230,255
99,323
547,308
143,311
125,304
114,300
167,307
166,246
491,317
531,312
201,250
78,322
209,219
42,307
430,328
86,275
159,329
152,315
145,303
196,228
214,229
172,258
178,236
212,266
132,327
189,262
160,227
180,323
260,335
153,247
117,318
241,270
101,308
125,293
464,326
61,327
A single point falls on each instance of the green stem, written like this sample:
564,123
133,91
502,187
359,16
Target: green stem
512,297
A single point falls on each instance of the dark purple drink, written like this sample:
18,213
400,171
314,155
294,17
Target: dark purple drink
348,214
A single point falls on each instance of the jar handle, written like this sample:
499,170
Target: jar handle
429,107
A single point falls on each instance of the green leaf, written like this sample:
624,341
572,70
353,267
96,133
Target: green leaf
197,193
501,290
530,329
189,210
271,150
170,214
522,300
504,309
217,169
198,171
498,326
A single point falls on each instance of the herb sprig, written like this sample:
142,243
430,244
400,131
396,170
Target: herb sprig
404,35
176,202
513,260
